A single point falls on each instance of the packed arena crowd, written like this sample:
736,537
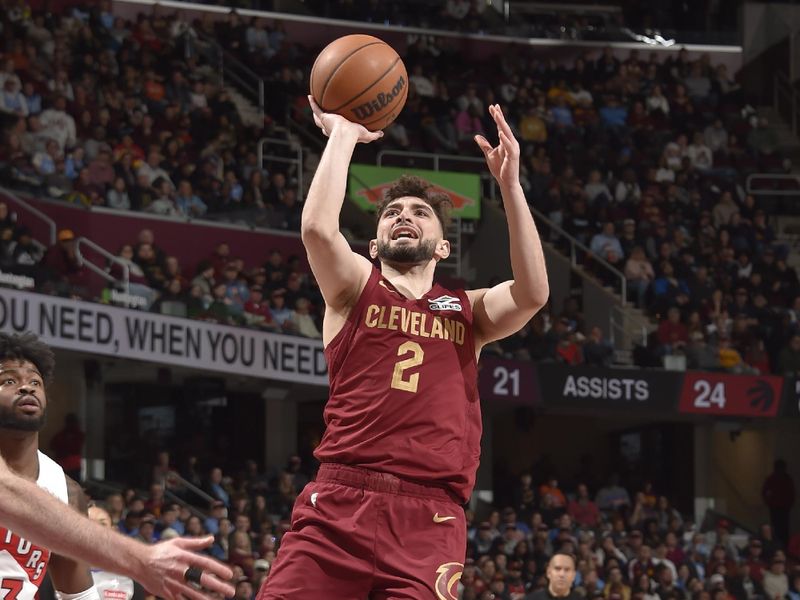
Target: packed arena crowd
101,111
627,545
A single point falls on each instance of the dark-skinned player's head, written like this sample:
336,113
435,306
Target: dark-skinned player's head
26,366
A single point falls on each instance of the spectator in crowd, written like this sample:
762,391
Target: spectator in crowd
117,196
256,311
216,487
561,571
639,274
67,446
583,510
187,203
776,582
613,497
596,350
778,493
63,269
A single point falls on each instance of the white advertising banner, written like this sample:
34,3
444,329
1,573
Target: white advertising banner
112,331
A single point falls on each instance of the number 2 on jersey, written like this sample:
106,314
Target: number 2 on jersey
399,379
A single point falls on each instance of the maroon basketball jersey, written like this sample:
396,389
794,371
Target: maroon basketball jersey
403,388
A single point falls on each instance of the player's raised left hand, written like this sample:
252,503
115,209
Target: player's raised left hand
503,160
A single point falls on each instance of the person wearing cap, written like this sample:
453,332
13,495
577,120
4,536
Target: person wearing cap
218,512
61,262
256,311
260,572
717,581
561,572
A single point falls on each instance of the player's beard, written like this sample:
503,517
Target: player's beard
407,254
11,420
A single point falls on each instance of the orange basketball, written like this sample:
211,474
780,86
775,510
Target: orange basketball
361,78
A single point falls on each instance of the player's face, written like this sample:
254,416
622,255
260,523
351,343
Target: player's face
23,403
409,232
561,573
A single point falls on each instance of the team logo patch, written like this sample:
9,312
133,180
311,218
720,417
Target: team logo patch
445,303
447,582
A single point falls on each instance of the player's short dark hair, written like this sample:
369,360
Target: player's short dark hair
28,347
569,555
411,185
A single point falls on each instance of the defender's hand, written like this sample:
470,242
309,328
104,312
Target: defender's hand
166,566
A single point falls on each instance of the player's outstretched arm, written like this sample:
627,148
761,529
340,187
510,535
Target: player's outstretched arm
34,514
341,273
505,308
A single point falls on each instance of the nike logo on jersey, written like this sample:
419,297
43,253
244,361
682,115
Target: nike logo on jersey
445,303
438,519
314,499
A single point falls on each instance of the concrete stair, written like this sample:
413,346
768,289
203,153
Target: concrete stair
248,111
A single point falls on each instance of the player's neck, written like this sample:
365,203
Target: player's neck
413,281
557,594
19,450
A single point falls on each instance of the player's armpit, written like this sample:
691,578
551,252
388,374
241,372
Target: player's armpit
77,497
340,272
69,576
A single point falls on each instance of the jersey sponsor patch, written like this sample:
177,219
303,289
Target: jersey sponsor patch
445,303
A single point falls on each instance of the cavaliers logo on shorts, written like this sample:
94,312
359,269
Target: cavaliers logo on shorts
447,583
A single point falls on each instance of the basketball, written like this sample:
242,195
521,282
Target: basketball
361,78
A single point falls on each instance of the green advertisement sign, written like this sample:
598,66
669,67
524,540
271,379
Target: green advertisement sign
368,184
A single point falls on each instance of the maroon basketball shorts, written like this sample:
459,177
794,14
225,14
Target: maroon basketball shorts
363,535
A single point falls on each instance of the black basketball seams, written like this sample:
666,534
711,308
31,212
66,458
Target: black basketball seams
339,66
369,87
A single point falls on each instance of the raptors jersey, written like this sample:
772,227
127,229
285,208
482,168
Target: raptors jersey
403,388
23,564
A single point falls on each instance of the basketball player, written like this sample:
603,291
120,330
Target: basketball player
400,452
29,509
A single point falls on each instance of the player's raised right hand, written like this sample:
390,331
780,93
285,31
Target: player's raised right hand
328,122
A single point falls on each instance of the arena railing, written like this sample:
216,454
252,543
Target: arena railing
232,70
297,161
772,181
173,481
123,283
43,219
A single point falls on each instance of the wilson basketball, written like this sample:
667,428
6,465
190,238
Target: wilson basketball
361,78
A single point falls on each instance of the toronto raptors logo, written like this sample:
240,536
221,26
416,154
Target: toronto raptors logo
446,583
